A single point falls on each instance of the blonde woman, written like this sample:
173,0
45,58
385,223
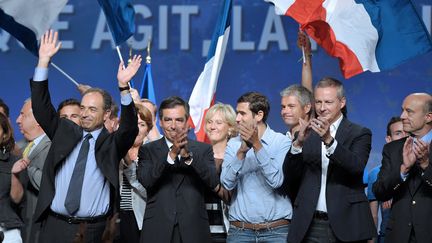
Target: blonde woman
220,126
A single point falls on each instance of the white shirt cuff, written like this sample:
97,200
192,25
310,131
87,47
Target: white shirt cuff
169,160
296,150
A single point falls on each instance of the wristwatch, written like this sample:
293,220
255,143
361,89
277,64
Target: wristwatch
124,88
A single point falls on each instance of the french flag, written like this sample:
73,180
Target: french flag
28,20
362,34
203,93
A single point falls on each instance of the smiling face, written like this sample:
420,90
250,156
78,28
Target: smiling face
292,110
71,112
93,114
327,103
217,128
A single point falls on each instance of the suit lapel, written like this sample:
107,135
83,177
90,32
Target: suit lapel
341,136
101,138
41,145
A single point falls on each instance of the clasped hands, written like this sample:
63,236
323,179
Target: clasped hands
415,150
250,139
320,125
180,143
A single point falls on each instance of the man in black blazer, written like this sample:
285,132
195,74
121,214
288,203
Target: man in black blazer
327,161
176,171
406,175
80,176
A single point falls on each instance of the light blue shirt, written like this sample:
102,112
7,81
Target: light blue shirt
95,194
255,179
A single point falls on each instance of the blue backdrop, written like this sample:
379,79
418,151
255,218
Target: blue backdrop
261,56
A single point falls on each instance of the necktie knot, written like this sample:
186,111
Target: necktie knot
27,149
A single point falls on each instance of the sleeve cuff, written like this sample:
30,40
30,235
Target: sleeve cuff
404,176
296,150
125,99
169,160
330,150
40,74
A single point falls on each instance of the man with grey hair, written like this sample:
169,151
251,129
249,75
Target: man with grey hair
296,107
35,151
327,161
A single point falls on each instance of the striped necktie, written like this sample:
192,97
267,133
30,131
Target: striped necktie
27,149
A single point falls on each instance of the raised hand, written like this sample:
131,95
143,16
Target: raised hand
82,88
408,155
19,166
124,75
303,41
49,46
322,126
179,143
303,133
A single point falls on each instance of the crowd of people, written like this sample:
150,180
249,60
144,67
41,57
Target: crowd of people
83,174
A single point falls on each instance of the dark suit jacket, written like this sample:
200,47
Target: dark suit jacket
412,198
176,192
347,206
65,135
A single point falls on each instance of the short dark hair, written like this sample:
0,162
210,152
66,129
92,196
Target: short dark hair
172,102
5,107
332,82
392,121
107,99
8,141
68,102
114,110
257,102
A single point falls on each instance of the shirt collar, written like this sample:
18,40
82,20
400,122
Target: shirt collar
95,133
168,143
267,136
335,125
37,140
427,137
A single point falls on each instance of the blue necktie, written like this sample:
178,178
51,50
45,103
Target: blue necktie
73,196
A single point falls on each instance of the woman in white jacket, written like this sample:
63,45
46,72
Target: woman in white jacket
133,194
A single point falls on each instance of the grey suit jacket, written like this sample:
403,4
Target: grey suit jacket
37,160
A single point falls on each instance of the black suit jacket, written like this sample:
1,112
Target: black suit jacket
347,206
412,198
176,192
65,135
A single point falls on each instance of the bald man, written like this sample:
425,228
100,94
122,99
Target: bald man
406,175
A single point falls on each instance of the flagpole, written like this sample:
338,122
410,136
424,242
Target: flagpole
120,56
64,73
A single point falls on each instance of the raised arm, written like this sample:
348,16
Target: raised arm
43,109
128,128
303,42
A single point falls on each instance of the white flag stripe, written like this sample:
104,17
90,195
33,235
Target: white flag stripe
205,87
37,15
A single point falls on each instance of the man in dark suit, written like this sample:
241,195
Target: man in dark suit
406,175
327,161
80,176
176,171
